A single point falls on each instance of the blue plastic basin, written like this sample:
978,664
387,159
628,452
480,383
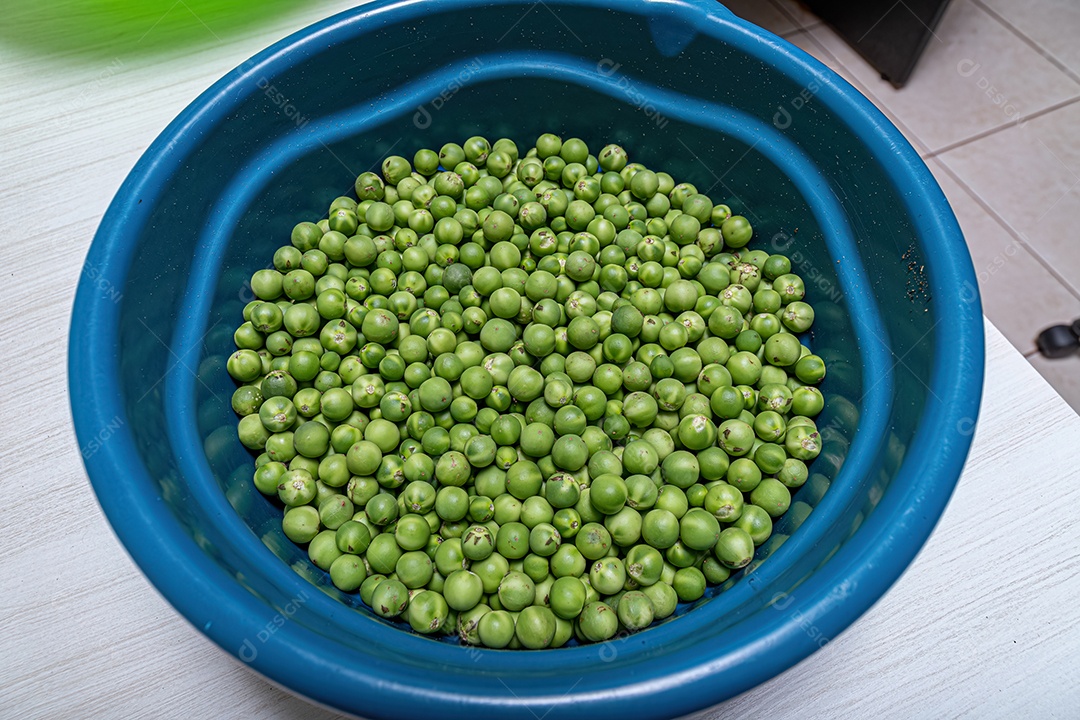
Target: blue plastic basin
685,87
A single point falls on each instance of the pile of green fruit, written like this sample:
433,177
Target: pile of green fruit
527,397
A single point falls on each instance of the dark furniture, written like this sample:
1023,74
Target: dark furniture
890,34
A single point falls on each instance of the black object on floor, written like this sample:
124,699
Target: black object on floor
890,34
1059,341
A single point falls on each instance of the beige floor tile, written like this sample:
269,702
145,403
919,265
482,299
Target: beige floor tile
975,75
1030,175
1019,295
1051,24
1063,374
762,13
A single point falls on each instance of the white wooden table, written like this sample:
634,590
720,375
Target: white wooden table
986,622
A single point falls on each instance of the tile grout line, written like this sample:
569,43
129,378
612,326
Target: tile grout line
785,13
1000,128
1046,54
935,154
796,30
792,19
1009,229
